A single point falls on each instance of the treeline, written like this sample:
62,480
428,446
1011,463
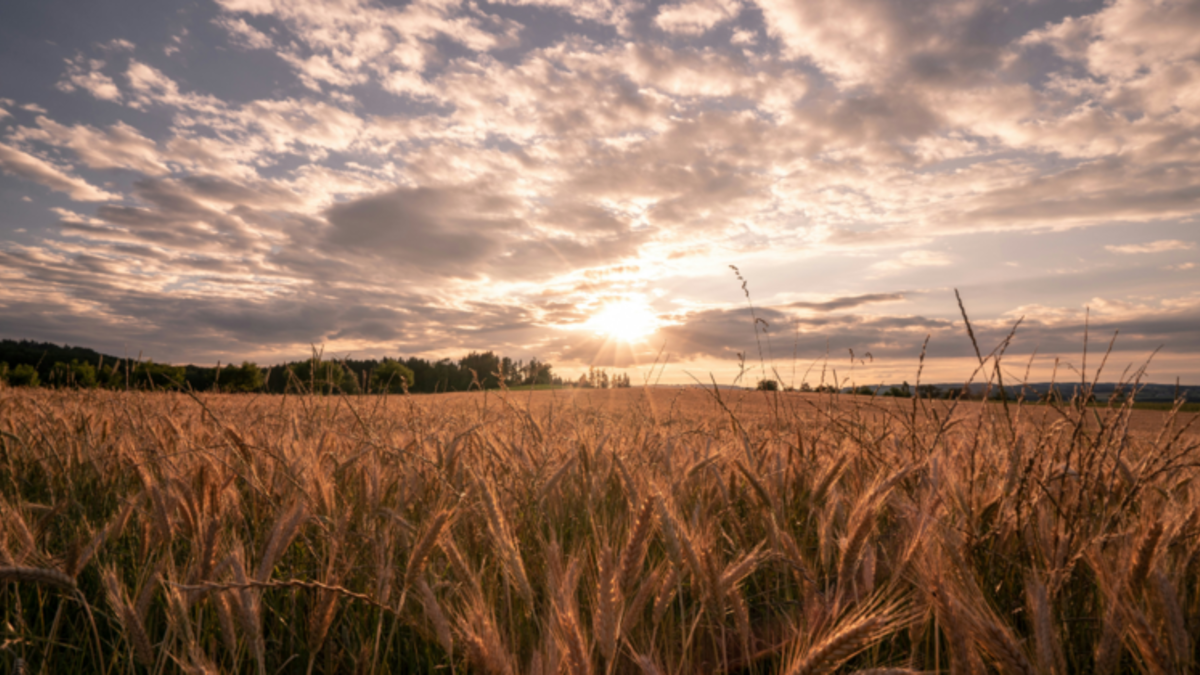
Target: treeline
598,378
1041,392
28,363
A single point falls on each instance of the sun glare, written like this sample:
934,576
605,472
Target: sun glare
626,320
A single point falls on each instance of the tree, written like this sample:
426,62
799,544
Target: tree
247,377
538,372
151,375
325,377
75,374
928,391
485,367
392,377
24,375
768,385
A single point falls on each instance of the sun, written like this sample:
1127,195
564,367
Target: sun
626,320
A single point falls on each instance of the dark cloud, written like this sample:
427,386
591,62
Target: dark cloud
723,334
848,302
259,194
448,231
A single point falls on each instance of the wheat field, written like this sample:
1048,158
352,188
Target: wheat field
650,531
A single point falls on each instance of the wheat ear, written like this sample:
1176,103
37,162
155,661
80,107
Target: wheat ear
434,611
635,548
1001,645
606,622
864,523
1143,559
665,594
37,575
1167,600
281,536
1046,641
837,648
420,552
320,620
134,630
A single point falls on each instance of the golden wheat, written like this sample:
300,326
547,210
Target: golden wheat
743,533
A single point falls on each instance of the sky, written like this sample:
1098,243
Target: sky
715,185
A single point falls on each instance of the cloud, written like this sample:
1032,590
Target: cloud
1152,247
447,231
695,17
343,44
85,74
496,159
242,34
916,258
118,44
724,333
25,165
861,41
848,302
121,146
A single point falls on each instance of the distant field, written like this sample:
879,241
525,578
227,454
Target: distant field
594,531
1166,405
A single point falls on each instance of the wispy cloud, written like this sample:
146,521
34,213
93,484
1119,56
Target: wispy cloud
1152,247
909,259
25,165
